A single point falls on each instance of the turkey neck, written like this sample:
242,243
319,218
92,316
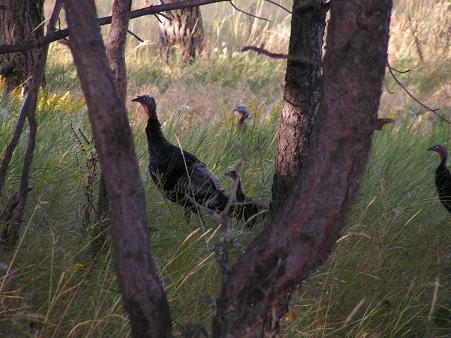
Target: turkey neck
240,195
444,162
154,134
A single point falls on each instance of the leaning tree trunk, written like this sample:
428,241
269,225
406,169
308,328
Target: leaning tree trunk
19,21
301,95
183,27
255,296
143,295
115,51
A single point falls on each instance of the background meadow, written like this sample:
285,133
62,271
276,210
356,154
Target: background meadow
389,273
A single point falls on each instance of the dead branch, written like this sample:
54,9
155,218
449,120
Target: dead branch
261,50
400,71
432,110
136,36
280,6
247,13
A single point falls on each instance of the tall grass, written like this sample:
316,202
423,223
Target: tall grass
380,280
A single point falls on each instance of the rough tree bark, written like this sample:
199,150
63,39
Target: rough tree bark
301,95
115,51
115,48
142,293
255,296
183,27
19,21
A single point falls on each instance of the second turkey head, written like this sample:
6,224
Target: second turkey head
243,114
441,150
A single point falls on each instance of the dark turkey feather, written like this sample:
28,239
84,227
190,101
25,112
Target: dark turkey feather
443,176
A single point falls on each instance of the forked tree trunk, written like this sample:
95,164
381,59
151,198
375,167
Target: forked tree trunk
143,295
20,20
255,296
182,27
301,95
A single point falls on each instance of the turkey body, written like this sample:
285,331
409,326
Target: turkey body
443,184
179,175
443,176
250,210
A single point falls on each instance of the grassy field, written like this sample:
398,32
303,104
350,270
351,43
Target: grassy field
388,275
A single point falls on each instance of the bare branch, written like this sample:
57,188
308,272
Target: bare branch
247,13
167,17
400,71
261,50
380,123
279,5
136,36
432,110
156,17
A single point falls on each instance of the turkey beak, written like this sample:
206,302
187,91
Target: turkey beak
430,148
136,99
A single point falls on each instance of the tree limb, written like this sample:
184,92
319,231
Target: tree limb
432,110
247,13
261,50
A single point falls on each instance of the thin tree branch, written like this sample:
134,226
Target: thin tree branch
247,13
61,34
156,17
261,50
432,110
167,17
400,71
135,36
280,6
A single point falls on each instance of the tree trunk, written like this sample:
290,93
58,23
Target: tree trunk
19,21
183,27
142,292
301,95
256,294
115,51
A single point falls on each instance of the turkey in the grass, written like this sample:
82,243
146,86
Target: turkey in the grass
179,175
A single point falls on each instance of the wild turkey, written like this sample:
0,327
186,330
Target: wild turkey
443,176
179,175
251,210
242,115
